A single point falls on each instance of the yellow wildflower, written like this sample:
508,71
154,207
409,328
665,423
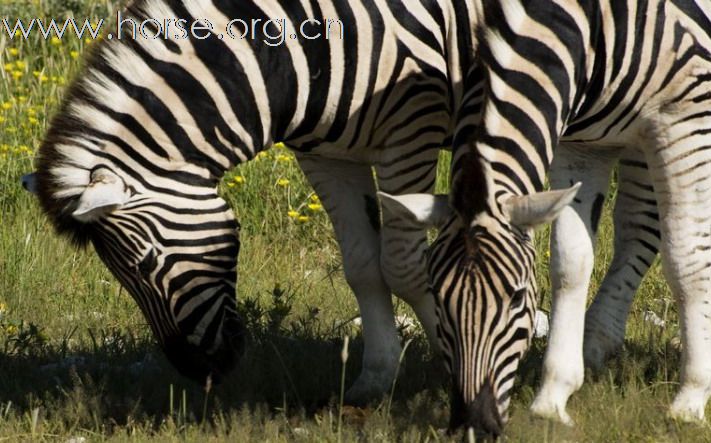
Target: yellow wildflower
303,218
87,40
9,67
33,121
230,185
36,73
314,198
283,182
293,214
315,207
43,78
74,54
13,52
17,74
261,155
283,158
279,145
6,105
19,64
55,41
21,98
239,179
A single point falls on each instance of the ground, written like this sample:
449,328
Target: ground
77,362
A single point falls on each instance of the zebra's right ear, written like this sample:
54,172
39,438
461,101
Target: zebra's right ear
423,210
106,193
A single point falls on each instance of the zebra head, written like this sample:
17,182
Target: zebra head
482,276
172,242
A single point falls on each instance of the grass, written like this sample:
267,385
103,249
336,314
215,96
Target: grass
77,359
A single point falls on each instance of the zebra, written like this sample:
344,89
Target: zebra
132,160
583,80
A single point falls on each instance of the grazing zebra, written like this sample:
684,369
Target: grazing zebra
132,160
608,74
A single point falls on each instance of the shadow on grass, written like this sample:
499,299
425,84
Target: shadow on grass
125,380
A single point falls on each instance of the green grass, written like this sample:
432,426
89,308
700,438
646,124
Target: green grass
77,359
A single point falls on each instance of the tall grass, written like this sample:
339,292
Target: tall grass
77,359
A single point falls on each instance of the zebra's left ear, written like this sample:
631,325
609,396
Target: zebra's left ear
106,193
423,210
529,211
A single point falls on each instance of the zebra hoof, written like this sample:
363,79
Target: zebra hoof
551,412
688,408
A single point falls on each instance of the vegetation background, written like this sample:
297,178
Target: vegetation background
77,362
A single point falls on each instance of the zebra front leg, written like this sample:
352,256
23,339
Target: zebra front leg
403,245
347,191
636,245
679,166
572,259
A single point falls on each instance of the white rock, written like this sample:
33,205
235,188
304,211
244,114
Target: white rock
541,324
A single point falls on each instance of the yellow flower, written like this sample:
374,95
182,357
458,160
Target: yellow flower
36,73
3,308
303,218
6,105
55,41
24,149
19,64
283,158
87,40
314,198
43,78
261,155
17,74
17,33
13,52
230,185
315,207
22,98
283,182
33,121
74,54
9,67
239,179
11,329
279,145
293,214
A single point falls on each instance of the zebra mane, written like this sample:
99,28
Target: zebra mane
70,149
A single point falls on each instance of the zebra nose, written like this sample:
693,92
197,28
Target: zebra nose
483,414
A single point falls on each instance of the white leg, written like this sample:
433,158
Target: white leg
572,260
403,248
679,166
347,191
636,245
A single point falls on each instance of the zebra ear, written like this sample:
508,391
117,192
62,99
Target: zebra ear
106,193
29,182
424,210
529,211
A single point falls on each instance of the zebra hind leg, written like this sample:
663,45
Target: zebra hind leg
347,192
637,240
679,165
572,259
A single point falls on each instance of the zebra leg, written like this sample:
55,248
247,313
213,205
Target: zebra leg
347,192
679,167
403,246
572,259
636,245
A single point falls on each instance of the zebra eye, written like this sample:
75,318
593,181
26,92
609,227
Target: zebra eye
517,299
